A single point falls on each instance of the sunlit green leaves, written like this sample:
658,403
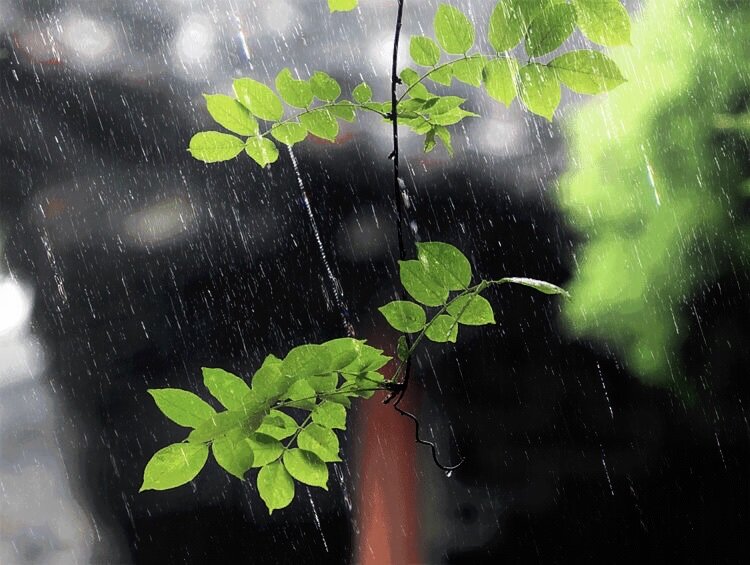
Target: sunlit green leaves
587,72
174,465
232,115
471,310
275,486
605,22
258,98
342,5
289,133
404,316
306,467
297,93
225,387
181,406
510,19
541,286
321,441
500,79
453,30
539,89
278,425
214,146
424,51
321,122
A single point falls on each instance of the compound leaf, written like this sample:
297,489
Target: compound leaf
321,122
499,79
330,415
362,93
605,22
265,449
289,133
262,150
325,87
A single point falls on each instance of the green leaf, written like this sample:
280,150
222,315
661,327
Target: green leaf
325,87
344,110
307,360
225,387
342,5
445,264
259,99
424,51
541,286
343,351
443,104
587,72
605,22
181,406
289,133
369,359
362,93
472,310
302,395
229,113
499,79
297,93
174,465
402,349
268,381
224,422
539,89
469,70
275,485
441,329
453,30
444,135
510,20
420,284
214,146
442,75
550,29
404,316
321,441
330,415
410,78
278,425
321,122
266,449
306,467
262,150
451,117
234,453
323,383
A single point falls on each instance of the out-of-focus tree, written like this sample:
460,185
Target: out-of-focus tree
659,184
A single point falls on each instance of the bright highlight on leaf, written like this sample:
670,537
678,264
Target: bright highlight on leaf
541,286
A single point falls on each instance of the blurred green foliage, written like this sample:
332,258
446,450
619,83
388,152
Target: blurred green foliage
659,182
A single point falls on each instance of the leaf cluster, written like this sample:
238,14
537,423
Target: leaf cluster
283,423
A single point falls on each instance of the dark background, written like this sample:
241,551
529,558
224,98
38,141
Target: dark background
146,265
